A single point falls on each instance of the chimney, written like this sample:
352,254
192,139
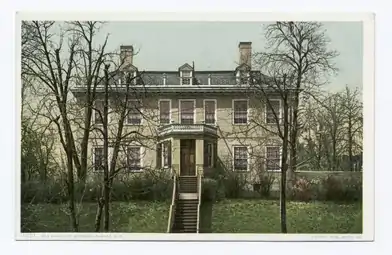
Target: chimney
126,54
245,49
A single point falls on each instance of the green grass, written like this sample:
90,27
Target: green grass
228,216
140,217
261,216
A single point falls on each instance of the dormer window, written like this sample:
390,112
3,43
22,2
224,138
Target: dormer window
186,77
243,77
186,74
132,76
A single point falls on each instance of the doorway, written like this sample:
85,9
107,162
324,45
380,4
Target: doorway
188,157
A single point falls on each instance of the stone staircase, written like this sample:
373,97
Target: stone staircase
186,212
185,219
188,184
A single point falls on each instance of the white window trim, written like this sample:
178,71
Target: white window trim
126,73
216,110
190,77
159,110
110,153
248,155
93,112
194,109
142,153
280,158
233,110
266,109
162,155
238,77
141,113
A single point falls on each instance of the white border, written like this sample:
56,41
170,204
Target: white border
233,110
266,157
142,151
248,155
141,114
204,111
266,108
194,110
159,110
368,81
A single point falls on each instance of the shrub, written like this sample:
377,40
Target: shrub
264,184
302,190
343,189
209,189
234,185
353,189
143,186
38,192
333,188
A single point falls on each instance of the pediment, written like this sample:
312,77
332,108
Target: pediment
128,68
185,67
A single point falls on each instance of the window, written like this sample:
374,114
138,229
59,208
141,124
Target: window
209,111
134,158
208,154
244,78
166,154
273,111
240,158
130,77
187,111
164,112
186,77
134,116
98,160
240,111
98,112
273,158
163,156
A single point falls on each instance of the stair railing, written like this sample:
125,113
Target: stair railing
172,205
199,176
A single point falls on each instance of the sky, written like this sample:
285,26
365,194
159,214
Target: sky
214,45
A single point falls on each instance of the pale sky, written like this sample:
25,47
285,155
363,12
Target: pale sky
214,45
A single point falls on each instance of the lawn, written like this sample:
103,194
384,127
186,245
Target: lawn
147,217
262,216
228,216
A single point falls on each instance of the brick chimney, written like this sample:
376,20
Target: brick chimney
245,49
126,54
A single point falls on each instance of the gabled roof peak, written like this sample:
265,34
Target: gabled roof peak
185,67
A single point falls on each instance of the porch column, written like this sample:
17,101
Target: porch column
176,155
199,155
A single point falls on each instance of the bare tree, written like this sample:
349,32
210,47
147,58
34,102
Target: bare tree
272,84
57,67
302,48
333,127
353,123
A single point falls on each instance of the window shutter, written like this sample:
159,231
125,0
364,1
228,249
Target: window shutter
215,154
159,156
205,150
169,153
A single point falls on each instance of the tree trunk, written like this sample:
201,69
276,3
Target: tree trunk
71,192
106,153
98,215
350,143
284,167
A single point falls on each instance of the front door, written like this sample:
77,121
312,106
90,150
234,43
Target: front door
188,157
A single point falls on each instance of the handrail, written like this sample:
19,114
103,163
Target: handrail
172,205
199,175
